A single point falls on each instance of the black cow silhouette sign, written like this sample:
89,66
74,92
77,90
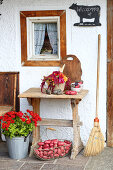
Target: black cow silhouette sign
1,1
87,12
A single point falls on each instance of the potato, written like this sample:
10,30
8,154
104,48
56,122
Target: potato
46,146
47,142
40,143
50,152
45,153
59,151
60,143
40,148
56,155
56,150
44,157
62,148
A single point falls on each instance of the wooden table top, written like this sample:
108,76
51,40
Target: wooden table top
36,93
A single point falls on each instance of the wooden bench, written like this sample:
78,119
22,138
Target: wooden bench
5,109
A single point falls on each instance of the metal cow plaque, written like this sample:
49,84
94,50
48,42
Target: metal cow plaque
87,12
1,1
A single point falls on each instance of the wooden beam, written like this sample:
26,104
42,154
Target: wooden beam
57,122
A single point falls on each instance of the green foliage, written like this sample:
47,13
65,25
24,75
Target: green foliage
17,124
18,128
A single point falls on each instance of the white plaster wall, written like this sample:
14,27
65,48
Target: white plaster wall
81,41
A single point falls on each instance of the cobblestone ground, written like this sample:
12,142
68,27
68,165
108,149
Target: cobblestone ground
103,161
34,164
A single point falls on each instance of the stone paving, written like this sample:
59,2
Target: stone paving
103,161
34,164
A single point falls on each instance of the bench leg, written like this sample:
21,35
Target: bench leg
77,143
36,132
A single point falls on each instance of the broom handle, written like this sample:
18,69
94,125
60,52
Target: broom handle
98,71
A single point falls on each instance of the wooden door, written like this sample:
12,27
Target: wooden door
7,81
110,73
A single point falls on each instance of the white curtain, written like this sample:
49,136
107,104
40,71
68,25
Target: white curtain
52,33
39,35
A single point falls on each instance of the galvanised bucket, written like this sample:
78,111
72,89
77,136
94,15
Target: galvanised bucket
17,147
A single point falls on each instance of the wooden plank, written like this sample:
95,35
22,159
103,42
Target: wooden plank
55,122
110,73
5,109
36,93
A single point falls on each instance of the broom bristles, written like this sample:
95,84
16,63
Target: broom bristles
95,143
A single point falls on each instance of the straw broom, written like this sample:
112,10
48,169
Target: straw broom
95,142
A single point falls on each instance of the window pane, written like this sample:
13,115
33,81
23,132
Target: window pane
45,38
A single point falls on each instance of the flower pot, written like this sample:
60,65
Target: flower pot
17,147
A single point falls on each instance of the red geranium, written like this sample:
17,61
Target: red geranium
18,123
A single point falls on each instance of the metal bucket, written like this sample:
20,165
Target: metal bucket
17,147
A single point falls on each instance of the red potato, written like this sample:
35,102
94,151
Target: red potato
71,92
46,146
52,156
60,143
59,151
50,152
40,143
62,148
66,141
55,145
37,151
56,155
67,147
47,142
62,154
51,148
40,148
56,150
51,144
44,157
46,149
64,151
67,151
41,154
45,153
54,140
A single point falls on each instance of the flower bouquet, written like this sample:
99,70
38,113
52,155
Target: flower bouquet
55,81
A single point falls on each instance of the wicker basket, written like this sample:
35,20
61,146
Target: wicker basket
60,86
54,153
